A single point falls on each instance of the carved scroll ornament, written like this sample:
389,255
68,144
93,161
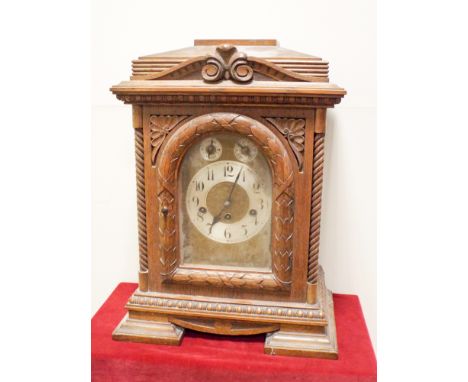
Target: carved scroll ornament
227,63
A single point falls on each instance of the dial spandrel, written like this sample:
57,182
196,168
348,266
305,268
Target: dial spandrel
225,207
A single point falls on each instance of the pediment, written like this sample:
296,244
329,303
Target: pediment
229,62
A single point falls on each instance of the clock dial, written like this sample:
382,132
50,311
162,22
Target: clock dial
227,202
245,150
211,149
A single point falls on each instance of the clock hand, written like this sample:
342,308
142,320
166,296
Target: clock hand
234,185
211,149
227,202
217,218
244,148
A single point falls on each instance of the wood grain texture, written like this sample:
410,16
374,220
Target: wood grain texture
307,66
320,120
224,327
257,42
227,63
200,87
153,331
307,69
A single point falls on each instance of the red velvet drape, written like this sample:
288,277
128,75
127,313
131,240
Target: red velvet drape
204,357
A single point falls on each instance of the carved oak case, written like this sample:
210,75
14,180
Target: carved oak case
229,143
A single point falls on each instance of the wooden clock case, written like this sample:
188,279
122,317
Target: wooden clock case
278,98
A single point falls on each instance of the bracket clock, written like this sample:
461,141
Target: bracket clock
229,142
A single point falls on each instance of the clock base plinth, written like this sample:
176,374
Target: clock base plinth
317,342
151,332
294,329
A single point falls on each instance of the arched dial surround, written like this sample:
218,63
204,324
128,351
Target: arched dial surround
170,203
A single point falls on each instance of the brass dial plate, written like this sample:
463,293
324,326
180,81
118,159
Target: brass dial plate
225,204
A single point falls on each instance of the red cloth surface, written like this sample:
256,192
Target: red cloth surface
206,357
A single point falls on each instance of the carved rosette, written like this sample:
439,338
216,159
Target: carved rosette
294,131
228,64
316,207
160,127
283,206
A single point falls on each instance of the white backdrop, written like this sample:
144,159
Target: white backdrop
342,32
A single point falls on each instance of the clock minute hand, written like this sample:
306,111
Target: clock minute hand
234,185
227,202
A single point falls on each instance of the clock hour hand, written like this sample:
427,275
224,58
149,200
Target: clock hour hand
227,202
244,148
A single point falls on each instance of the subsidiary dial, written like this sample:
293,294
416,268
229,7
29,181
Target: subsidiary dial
245,150
211,149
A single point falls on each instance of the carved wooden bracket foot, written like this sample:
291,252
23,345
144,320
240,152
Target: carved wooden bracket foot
300,344
151,332
316,342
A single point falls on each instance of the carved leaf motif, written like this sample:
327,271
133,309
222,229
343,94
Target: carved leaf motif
167,232
161,126
227,279
294,131
283,229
